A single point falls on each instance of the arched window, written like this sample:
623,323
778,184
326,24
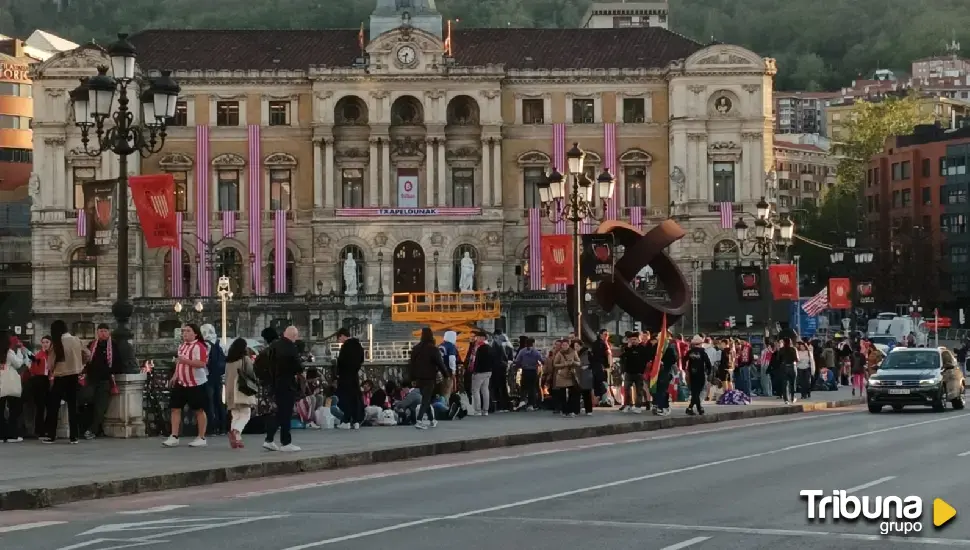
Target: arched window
407,110
726,254
271,267
186,275
457,260
229,264
357,254
84,275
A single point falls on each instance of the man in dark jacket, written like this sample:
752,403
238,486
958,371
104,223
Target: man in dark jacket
669,365
349,360
425,365
600,355
634,360
699,370
481,363
787,357
287,370
97,379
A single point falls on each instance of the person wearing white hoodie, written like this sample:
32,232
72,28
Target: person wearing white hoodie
449,352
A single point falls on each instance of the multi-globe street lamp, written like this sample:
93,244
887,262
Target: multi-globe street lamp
772,231
118,132
224,292
578,205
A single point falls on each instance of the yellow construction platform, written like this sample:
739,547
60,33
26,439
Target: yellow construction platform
444,311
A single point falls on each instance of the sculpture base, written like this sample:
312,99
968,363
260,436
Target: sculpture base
126,416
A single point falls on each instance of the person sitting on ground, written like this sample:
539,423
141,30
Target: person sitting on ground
407,407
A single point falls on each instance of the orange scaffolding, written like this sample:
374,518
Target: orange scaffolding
444,311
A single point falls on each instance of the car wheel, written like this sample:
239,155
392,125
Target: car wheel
875,409
897,408
939,403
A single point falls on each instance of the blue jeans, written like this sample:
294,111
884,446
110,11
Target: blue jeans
743,380
215,410
335,410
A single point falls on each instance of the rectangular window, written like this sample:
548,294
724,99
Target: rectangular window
635,186
279,113
279,189
532,178
463,187
227,113
181,117
622,22
942,166
15,89
907,197
583,111
808,186
959,254
896,200
956,166
181,191
533,111
926,169
25,156
723,182
11,122
906,170
927,196
352,183
954,224
897,171
955,195
959,283
82,175
228,190
784,200
634,110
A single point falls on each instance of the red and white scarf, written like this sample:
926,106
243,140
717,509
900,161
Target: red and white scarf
108,352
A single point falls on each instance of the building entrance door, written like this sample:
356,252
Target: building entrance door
409,268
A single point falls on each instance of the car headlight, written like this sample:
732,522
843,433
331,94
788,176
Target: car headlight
929,382
875,382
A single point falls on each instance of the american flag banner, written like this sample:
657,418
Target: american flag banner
202,205
559,163
636,217
176,261
727,215
609,159
279,251
588,226
535,250
228,223
82,223
818,303
255,163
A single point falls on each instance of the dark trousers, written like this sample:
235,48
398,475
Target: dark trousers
742,380
498,390
426,387
64,389
36,391
661,398
788,383
351,403
530,387
216,411
100,398
587,396
10,426
634,381
285,399
805,383
568,399
696,392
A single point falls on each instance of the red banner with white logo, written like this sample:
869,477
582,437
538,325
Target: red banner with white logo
840,293
154,198
557,260
784,282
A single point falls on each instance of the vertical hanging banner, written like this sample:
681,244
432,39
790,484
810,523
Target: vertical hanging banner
279,252
748,282
254,161
154,198
557,260
864,293
99,211
535,249
407,188
784,284
840,293
598,258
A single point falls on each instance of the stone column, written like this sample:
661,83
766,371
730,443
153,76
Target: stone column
442,175
429,183
125,418
330,198
372,182
64,199
497,183
386,164
318,193
486,173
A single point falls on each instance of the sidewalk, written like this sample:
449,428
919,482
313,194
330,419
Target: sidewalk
44,475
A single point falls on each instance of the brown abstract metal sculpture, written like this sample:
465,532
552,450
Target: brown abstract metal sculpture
640,250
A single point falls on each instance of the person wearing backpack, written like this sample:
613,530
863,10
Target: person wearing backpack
216,363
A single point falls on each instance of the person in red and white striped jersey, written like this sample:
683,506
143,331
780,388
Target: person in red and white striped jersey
188,385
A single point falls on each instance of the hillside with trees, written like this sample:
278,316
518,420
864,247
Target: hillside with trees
819,44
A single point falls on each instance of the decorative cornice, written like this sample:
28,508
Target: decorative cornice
491,94
434,94
323,95
55,92
55,141
228,97
380,94
696,137
697,90
533,95
281,97
752,136
751,88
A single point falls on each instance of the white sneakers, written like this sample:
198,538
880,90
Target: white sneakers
424,424
343,426
173,441
271,446
355,426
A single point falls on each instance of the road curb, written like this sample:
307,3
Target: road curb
28,499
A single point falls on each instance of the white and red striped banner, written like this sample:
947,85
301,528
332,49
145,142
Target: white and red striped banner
82,223
727,215
175,264
255,179
279,251
228,223
609,160
559,163
202,206
636,217
535,250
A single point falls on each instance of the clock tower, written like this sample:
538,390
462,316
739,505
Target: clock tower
420,14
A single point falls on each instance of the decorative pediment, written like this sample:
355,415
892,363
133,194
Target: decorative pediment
534,158
88,56
593,159
462,153
636,156
722,56
724,151
229,159
280,159
176,162
353,153
407,147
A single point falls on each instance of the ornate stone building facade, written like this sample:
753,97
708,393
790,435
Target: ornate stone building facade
404,154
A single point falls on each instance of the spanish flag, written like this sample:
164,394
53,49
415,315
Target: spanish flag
360,37
448,40
654,369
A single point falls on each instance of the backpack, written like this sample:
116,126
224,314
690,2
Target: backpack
263,366
216,360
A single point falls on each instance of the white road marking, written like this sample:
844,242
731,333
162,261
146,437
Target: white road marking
686,543
158,538
420,469
964,454
155,510
870,484
28,526
616,483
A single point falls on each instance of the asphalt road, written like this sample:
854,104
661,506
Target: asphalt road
728,485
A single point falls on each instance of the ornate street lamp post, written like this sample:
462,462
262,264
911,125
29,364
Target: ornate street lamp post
380,273
436,286
118,133
772,231
580,204
857,258
225,296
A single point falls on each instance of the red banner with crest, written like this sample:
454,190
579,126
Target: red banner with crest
99,210
840,293
154,198
557,260
784,281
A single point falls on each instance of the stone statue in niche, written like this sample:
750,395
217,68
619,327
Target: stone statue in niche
350,276
466,281
723,105
33,189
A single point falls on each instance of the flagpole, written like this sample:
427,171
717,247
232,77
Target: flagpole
798,296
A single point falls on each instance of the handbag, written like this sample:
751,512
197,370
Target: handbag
10,384
585,378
